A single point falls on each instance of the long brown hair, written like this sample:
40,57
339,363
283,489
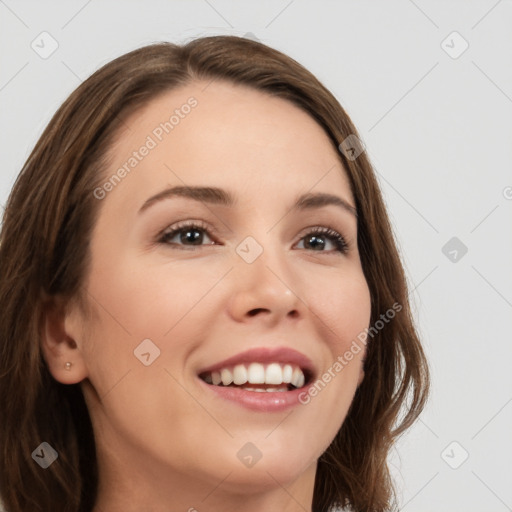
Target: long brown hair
44,252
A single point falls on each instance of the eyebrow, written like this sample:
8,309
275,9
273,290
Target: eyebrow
221,197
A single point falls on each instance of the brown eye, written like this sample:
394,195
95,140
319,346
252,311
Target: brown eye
319,238
190,235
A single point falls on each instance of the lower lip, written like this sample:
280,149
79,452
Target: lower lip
268,401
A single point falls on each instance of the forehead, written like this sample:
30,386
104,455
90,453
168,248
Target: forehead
221,134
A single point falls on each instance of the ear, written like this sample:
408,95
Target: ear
61,341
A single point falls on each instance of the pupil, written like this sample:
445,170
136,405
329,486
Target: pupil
315,241
193,236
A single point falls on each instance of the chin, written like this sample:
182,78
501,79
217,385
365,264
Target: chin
260,465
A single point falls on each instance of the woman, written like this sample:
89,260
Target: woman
203,305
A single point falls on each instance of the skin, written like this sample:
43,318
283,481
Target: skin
163,442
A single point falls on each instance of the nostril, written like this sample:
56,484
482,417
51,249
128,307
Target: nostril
254,312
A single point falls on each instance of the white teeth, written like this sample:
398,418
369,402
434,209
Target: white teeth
227,377
277,389
273,374
239,374
298,378
261,390
287,373
256,373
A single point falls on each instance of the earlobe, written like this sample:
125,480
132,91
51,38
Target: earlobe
60,350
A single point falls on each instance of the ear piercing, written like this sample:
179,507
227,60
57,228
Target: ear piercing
68,366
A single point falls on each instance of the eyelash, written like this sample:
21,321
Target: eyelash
339,241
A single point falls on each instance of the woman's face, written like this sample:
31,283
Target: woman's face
251,282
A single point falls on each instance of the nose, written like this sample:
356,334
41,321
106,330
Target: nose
264,292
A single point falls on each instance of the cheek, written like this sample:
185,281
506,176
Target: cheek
148,299
342,302
342,306
155,301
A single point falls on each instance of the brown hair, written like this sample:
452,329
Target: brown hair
44,252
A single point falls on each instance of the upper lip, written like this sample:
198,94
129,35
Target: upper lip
281,355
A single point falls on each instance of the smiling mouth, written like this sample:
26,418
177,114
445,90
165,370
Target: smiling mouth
259,377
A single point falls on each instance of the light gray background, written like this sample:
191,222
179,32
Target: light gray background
438,130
